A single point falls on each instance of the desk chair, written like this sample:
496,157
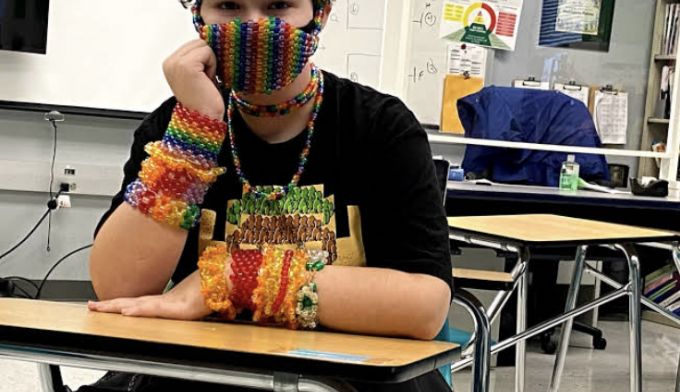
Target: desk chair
481,359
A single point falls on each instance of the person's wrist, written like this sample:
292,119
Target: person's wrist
212,113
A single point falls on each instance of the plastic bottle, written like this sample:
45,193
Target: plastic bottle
569,174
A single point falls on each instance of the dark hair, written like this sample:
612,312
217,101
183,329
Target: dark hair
187,3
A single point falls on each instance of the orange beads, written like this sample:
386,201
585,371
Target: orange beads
179,170
214,283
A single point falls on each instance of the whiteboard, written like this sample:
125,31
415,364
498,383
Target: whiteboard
427,60
108,54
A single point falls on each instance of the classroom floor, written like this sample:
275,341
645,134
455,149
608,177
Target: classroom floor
586,370
589,370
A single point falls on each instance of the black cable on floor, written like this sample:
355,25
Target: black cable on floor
42,284
27,236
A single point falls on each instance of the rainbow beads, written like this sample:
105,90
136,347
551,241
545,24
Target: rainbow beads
284,108
179,170
258,57
247,188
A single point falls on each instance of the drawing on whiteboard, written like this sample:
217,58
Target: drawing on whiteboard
426,16
354,38
364,69
418,73
354,9
427,62
366,14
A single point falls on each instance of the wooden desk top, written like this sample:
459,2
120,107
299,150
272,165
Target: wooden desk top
297,349
554,230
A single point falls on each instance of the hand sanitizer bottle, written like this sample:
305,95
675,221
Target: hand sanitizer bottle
569,174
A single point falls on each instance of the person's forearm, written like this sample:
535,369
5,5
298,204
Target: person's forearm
134,255
139,246
382,302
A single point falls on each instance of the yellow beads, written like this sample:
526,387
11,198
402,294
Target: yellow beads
214,283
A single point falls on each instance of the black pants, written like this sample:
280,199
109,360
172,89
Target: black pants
119,382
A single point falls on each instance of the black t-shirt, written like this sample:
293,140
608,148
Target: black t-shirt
371,156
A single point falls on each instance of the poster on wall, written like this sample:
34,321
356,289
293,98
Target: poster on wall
490,23
578,16
467,59
577,24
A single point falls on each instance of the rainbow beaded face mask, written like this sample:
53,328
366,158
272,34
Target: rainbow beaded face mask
258,57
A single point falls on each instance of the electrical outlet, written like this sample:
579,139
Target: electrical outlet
64,201
33,176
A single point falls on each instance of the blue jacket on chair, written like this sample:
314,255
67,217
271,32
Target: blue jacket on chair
530,116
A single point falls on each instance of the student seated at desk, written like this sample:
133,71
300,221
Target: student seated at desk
310,159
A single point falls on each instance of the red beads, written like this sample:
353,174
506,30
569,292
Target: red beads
245,268
285,280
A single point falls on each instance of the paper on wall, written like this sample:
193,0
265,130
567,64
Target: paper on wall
578,16
467,58
582,93
490,23
610,113
531,84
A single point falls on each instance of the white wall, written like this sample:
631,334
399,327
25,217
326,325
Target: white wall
82,140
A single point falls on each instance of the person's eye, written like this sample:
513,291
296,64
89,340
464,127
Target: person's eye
228,5
279,5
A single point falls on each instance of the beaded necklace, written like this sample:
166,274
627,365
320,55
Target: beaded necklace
281,109
247,188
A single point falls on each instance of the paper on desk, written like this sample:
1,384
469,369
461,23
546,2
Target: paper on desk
582,184
582,93
610,113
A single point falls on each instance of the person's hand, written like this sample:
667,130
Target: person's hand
190,72
183,302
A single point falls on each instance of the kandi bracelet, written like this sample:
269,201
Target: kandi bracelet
179,170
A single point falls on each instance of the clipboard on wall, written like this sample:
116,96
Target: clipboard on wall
455,88
574,90
531,83
609,108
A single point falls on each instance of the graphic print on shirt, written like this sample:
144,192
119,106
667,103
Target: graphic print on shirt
303,216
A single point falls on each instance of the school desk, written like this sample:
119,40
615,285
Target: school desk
225,353
523,233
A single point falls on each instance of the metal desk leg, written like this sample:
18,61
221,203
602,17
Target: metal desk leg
502,297
46,381
634,317
521,348
676,255
563,345
481,363
50,378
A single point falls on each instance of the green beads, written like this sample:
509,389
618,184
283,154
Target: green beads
315,266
